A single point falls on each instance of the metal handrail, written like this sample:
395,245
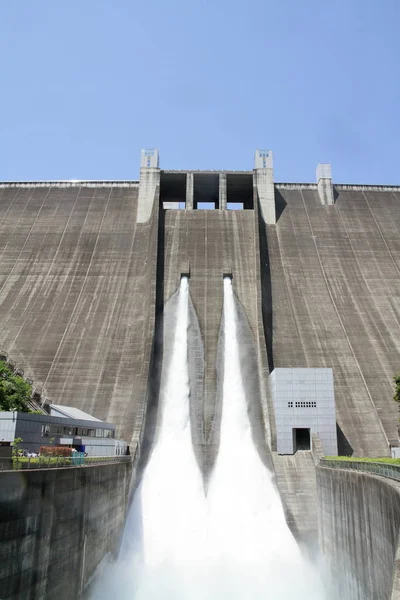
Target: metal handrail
20,463
391,471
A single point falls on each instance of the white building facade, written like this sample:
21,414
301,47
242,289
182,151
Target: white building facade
304,403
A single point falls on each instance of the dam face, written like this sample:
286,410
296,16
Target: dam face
86,269
82,279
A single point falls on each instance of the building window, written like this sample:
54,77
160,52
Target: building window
45,430
290,404
305,404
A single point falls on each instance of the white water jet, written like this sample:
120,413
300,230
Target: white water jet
164,536
251,545
234,544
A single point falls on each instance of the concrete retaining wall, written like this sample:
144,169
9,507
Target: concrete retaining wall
359,525
56,526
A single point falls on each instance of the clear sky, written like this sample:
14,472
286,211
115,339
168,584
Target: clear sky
85,84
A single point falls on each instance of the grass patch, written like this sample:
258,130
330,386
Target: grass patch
389,461
22,462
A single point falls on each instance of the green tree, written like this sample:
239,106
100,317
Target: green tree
16,444
396,396
15,392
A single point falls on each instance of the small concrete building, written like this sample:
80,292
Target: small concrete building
304,403
65,426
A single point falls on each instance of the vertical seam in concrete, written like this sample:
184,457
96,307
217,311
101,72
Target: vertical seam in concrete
9,208
267,411
5,216
118,370
295,321
205,400
25,242
341,322
79,295
70,287
396,573
381,234
362,275
31,306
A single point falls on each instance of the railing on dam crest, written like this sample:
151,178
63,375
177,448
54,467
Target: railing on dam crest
375,468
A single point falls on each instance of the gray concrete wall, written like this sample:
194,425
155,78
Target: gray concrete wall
335,273
56,525
359,525
212,243
77,296
296,482
334,277
78,293
81,283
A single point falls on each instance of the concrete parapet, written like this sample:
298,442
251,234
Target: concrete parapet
359,526
148,185
57,525
189,191
317,449
324,182
264,180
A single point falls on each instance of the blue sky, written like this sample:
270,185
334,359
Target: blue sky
86,84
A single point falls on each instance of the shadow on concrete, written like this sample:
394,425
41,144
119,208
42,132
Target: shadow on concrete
251,383
155,369
196,383
280,204
344,447
266,290
335,194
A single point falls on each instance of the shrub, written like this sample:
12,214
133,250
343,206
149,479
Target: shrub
396,396
15,392
16,444
55,451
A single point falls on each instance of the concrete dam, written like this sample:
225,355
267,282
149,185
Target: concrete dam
87,269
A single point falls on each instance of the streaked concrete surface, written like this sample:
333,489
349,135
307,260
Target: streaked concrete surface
79,279
336,303
77,296
295,478
212,243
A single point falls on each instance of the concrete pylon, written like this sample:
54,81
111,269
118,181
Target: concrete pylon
264,178
222,191
189,191
149,181
324,181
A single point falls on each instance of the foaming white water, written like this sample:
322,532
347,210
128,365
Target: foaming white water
164,538
249,538
232,545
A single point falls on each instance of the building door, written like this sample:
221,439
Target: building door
301,439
